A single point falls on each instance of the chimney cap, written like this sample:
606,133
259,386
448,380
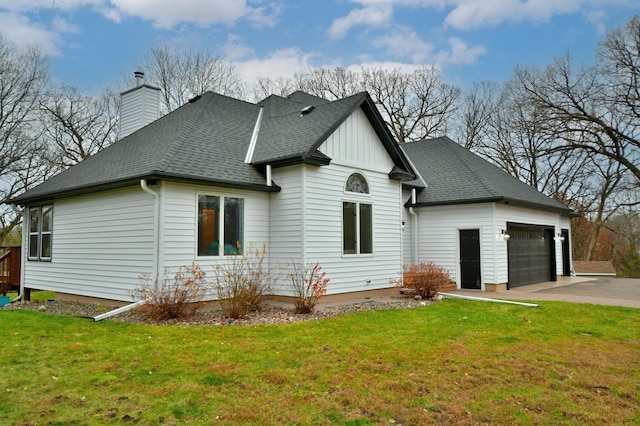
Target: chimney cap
139,75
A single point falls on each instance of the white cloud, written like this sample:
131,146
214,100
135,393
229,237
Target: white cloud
386,65
282,63
374,15
168,13
19,30
403,42
52,5
597,18
63,26
406,43
469,14
234,49
460,52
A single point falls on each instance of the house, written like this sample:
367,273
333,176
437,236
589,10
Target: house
314,180
490,230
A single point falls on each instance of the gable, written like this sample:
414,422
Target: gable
355,143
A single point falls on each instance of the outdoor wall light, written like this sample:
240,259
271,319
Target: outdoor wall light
403,225
558,237
503,236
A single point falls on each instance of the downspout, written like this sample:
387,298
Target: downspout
156,255
414,234
268,173
156,225
486,299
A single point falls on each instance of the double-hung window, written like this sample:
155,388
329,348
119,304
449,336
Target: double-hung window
357,218
220,225
40,232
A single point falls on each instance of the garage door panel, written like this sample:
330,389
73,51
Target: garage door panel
529,255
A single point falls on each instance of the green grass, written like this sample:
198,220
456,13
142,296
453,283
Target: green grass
453,362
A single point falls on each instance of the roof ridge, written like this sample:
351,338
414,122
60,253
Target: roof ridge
181,138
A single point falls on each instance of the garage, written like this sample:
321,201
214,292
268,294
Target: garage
531,254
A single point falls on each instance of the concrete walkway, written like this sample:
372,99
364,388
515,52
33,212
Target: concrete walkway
595,290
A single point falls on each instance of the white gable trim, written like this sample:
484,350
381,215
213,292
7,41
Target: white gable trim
254,138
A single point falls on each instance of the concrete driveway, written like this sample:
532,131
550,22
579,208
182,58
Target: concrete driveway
599,291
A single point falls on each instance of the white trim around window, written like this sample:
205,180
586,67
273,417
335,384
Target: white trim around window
40,233
219,225
357,228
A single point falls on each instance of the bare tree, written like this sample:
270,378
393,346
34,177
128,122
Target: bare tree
414,105
595,109
330,83
23,77
76,126
477,109
183,74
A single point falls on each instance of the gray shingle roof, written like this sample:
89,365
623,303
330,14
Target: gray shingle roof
206,141
454,175
286,133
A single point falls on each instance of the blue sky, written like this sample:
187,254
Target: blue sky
93,43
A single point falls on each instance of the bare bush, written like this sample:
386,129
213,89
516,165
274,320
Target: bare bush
177,296
423,279
308,284
243,282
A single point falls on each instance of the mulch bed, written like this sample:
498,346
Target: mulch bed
268,314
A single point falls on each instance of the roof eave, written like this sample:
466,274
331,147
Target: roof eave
315,159
503,200
134,181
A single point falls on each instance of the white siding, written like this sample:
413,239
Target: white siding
356,144
285,220
438,237
139,107
353,147
101,245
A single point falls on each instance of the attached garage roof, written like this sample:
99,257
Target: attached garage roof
454,175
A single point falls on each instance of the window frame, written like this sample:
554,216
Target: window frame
357,225
222,231
41,233
358,199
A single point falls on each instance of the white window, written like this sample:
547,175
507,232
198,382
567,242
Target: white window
216,236
357,218
40,232
357,228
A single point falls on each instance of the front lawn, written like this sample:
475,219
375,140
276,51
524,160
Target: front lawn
452,362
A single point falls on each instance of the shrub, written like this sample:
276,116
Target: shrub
308,283
173,297
424,279
243,282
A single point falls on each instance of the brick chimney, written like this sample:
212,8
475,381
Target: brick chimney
138,106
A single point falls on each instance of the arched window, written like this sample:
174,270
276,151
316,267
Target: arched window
357,183
357,219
